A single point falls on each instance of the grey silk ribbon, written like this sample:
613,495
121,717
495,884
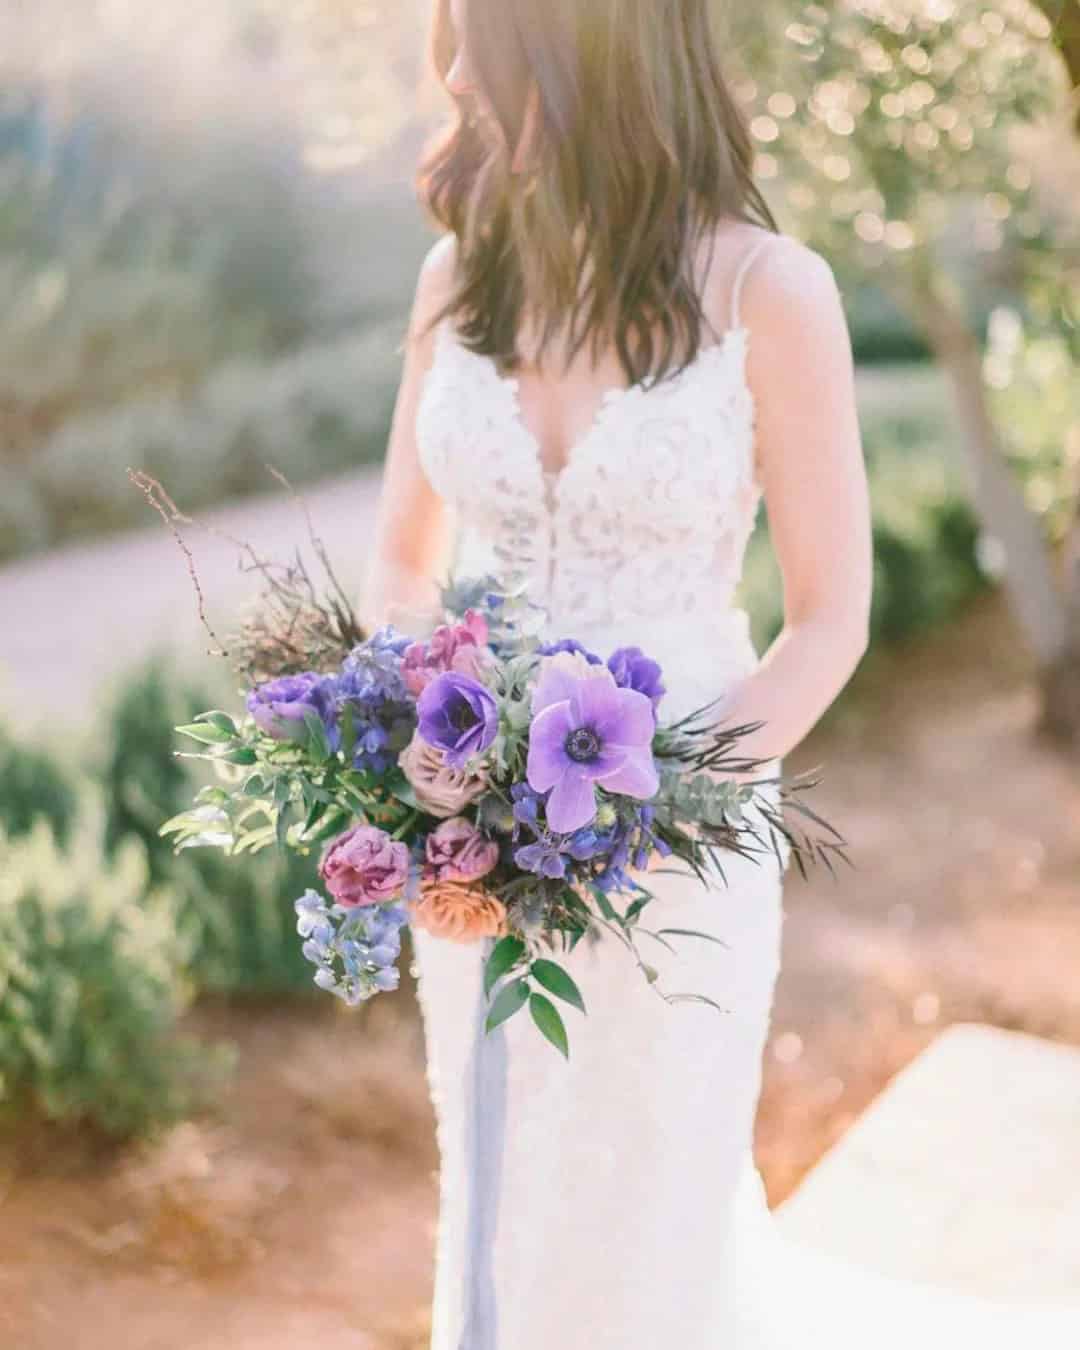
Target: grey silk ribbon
484,1144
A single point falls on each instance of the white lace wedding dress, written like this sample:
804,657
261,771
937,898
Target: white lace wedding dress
611,1202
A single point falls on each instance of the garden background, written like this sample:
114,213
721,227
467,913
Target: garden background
208,243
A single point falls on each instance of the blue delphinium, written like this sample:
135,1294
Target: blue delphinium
372,686
354,950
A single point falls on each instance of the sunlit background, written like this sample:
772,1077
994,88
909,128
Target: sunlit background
208,244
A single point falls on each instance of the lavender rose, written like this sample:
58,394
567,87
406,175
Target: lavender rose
459,716
440,789
364,866
457,851
280,706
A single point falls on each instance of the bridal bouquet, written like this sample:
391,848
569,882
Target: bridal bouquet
478,784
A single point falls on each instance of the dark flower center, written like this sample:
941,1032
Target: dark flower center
462,717
583,744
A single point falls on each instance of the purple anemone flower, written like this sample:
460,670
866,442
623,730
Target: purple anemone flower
588,731
634,670
458,715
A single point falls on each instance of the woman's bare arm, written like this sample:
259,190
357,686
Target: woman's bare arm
409,556
809,449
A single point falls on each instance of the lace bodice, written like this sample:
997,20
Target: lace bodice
644,528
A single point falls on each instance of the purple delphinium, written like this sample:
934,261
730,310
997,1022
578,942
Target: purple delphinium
280,706
543,855
459,716
372,685
587,731
569,645
632,669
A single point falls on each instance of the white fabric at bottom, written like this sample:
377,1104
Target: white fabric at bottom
619,1206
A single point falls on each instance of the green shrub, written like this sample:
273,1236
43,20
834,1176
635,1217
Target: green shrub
879,331
238,922
144,781
323,408
33,787
235,914
91,985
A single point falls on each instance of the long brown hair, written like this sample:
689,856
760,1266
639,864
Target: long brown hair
639,151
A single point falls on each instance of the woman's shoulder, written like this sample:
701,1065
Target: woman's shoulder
773,274
435,282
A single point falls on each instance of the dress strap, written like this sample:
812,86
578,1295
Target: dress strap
744,265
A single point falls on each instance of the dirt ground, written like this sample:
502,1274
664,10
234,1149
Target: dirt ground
301,1214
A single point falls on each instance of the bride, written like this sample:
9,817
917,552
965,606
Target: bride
614,358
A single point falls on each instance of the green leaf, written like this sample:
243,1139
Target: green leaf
511,999
281,825
546,1016
696,998
634,909
314,815
348,731
254,841
506,953
336,821
241,754
404,792
690,932
205,733
604,905
556,981
219,719
318,741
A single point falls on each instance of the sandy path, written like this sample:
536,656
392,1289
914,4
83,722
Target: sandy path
96,608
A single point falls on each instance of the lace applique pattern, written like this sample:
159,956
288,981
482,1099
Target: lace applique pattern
651,514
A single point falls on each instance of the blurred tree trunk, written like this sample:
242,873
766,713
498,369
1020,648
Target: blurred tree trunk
1048,616
1064,16
1062,689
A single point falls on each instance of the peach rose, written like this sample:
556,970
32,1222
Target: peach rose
440,789
454,910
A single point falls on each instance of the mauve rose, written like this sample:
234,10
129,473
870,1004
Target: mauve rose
460,647
457,851
364,866
451,909
440,789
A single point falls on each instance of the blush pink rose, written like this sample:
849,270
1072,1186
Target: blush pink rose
460,647
364,866
457,851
